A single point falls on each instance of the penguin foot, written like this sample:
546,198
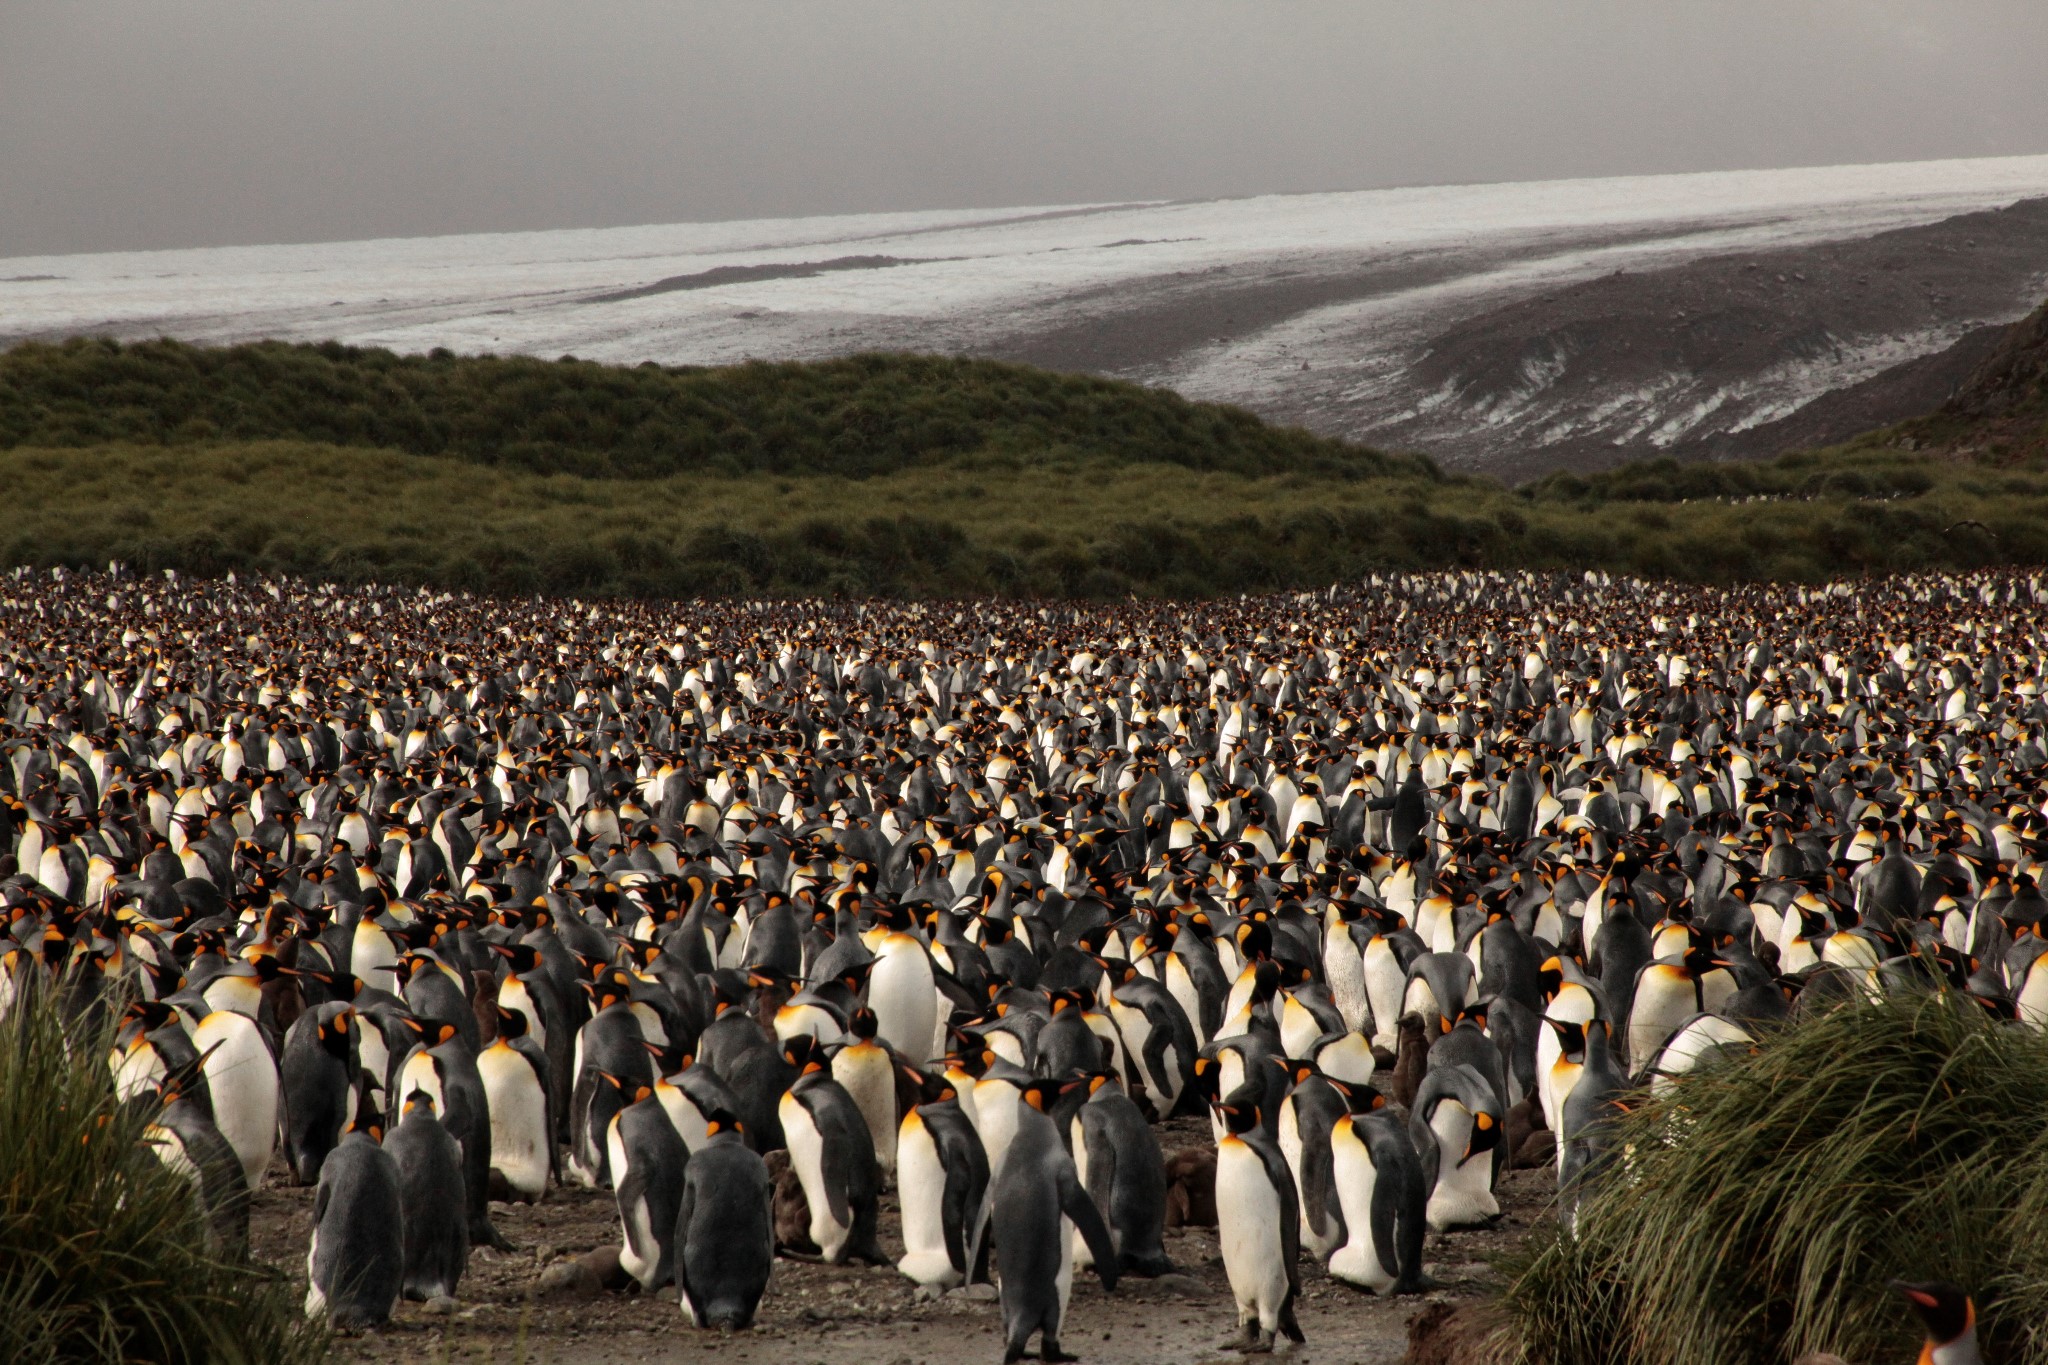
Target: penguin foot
1050,1352
1246,1340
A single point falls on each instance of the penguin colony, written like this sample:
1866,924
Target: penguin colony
432,901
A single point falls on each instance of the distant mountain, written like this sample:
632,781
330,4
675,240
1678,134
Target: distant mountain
1739,356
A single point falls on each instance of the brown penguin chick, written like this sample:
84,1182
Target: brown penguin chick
1411,1059
1191,1188
1524,1125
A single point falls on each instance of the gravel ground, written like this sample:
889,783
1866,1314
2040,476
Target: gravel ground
833,1315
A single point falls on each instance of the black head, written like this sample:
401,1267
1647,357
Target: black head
803,1052
1944,1308
1240,1113
722,1120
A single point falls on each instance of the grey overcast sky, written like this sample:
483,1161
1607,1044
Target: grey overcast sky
160,123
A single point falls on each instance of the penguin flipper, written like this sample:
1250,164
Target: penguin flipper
837,1174
633,1204
978,1240
955,1215
1076,1205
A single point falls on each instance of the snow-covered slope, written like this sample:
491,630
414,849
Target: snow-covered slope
1316,308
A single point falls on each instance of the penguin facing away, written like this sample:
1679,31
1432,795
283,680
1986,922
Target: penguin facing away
1258,1223
355,1266
1037,1204
724,1232
1119,1162
429,1164
317,1071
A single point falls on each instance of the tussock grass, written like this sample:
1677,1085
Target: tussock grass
893,475
1064,527
865,414
102,1250
1764,1204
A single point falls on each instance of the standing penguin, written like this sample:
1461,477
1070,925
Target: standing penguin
1258,1223
186,1140
943,1178
1379,1185
515,1073
241,1077
902,990
610,1043
1124,1172
1583,1141
355,1267
448,1072
724,1234
429,1164
833,1156
647,1160
318,1070
1306,1117
867,1069
1039,1203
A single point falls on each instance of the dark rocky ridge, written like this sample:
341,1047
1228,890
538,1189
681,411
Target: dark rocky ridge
1740,356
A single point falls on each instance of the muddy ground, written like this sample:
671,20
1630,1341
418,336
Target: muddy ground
831,1315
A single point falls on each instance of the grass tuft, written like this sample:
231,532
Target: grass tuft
1763,1206
102,1248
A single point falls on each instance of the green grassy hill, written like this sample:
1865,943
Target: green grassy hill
887,474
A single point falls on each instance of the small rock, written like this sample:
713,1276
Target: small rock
440,1306
1187,1286
978,1293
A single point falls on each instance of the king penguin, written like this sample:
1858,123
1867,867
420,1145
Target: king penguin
1378,1179
319,1070
724,1236
866,1068
1258,1224
943,1179
1950,1319
1120,1165
648,1162
1038,1204
241,1077
429,1164
515,1071
1456,1124
355,1267
833,1156
185,1140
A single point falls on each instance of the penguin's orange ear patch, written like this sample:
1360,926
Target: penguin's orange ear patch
1484,1121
